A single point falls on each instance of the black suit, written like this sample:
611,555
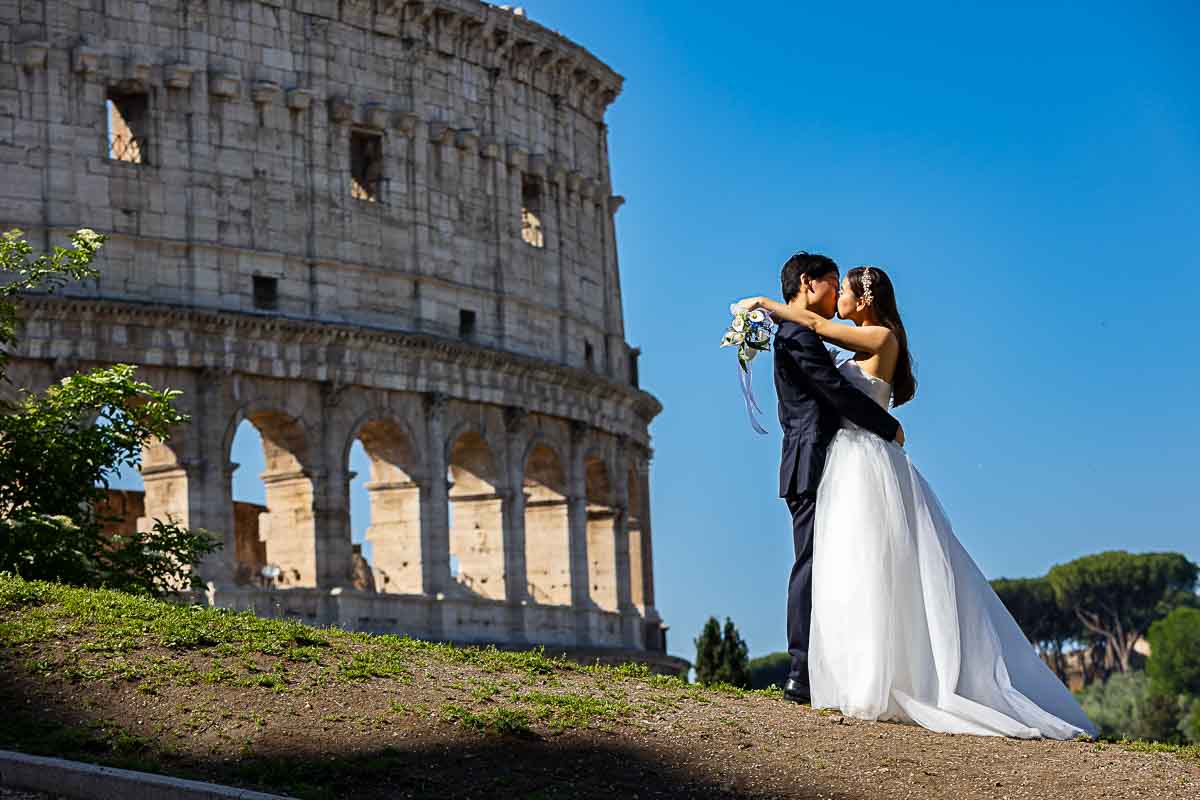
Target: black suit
813,399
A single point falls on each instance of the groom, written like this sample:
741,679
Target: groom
814,398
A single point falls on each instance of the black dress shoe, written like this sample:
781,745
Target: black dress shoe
796,691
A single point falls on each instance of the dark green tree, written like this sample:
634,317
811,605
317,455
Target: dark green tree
1047,625
1174,666
734,658
770,670
1117,595
708,652
58,450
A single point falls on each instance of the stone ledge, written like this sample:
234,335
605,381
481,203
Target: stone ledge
485,34
459,620
419,347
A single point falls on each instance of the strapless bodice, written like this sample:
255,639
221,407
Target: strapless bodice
877,389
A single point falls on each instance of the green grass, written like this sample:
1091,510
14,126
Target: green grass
1188,752
117,625
117,637
562,711
503,721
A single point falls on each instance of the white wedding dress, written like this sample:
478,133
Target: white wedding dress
904,625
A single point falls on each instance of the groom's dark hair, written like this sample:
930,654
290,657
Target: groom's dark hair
814,265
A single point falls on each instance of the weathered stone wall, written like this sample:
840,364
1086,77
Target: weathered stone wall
250,111
319,220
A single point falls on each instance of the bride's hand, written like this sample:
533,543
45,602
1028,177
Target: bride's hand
750,303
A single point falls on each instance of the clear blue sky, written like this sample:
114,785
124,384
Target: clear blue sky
1029,177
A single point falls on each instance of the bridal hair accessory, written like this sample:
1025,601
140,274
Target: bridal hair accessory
750,333
867,297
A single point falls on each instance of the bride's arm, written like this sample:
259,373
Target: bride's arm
872,339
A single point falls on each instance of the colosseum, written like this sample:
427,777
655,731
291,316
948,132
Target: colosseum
376,221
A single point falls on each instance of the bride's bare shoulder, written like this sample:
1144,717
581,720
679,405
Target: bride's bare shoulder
884,333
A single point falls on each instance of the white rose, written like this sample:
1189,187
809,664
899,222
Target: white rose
739,323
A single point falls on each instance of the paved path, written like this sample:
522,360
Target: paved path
94,782
21,794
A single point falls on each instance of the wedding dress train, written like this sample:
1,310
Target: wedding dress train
904,625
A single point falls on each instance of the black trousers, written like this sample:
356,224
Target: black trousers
799,603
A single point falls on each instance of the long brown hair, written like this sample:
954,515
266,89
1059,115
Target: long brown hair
883,306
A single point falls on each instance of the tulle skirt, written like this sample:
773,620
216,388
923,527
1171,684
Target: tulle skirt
904,625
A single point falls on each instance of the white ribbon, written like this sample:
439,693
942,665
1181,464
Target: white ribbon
745,378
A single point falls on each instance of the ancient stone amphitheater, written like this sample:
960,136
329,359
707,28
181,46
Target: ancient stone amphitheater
341,220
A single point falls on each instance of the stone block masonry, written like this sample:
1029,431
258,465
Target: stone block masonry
377,220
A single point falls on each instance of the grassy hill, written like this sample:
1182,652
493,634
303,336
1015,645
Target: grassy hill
279,706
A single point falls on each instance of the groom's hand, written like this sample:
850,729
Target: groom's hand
900,436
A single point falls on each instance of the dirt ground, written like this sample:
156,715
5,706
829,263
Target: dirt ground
281,707
439,731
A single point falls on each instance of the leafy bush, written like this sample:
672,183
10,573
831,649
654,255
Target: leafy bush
1126,707
58,450
1174,666
46,273
1191,723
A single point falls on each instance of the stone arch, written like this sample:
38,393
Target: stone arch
164,483
476,514
547,525
602,519
480,434
597,483
394,498
288,528
178,479
392,436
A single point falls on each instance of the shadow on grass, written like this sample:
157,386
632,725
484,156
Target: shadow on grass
448,762
128,682
495,767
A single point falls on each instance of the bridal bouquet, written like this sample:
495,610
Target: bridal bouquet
750,333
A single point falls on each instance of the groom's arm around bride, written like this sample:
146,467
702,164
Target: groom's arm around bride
814,397
811,358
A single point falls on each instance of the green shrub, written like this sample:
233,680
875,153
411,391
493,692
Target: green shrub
770,670
1190,726
1174,666
59,448
1126,707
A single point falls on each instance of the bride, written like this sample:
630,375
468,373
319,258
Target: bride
904,625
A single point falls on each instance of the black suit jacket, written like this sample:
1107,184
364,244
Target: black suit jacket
813,399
